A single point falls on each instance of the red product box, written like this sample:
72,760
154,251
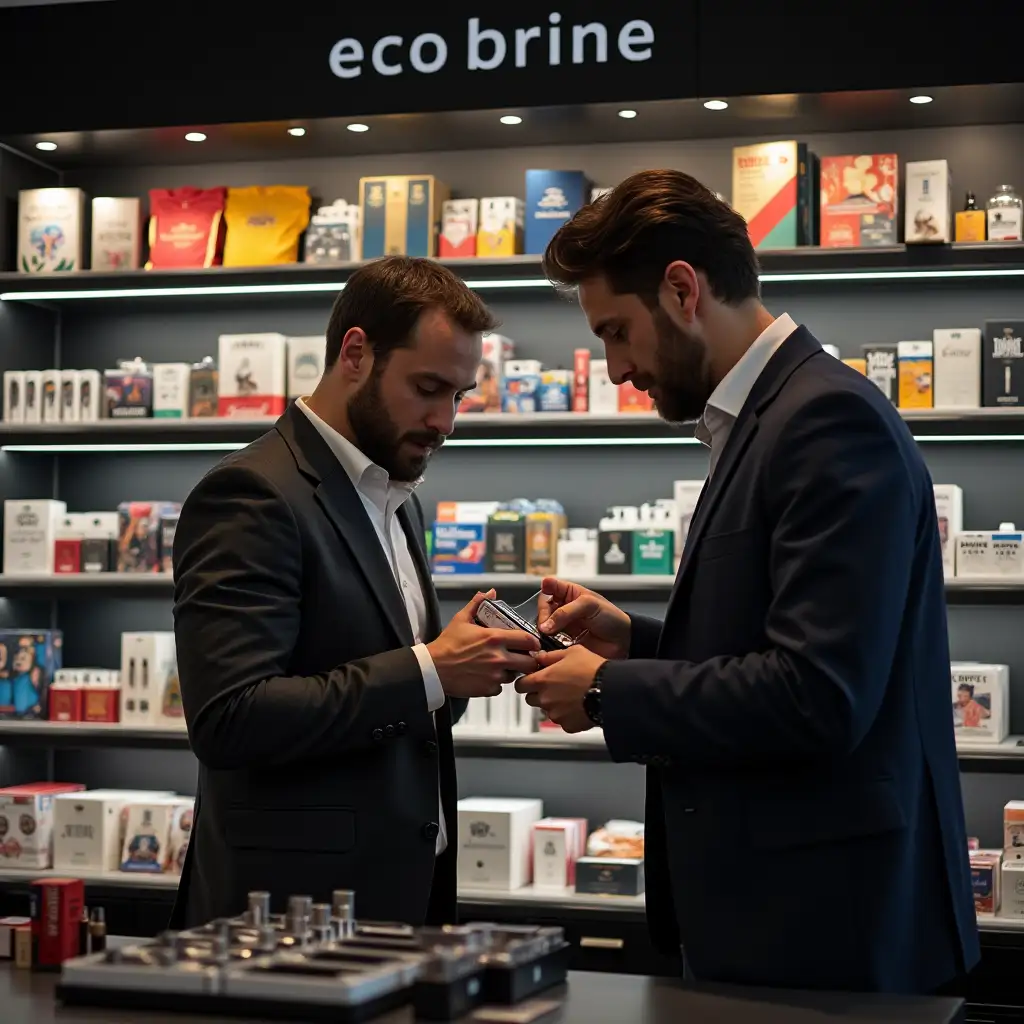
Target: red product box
56,914
67,555
65,703
186,227
632,401
859,197
101,704
581,380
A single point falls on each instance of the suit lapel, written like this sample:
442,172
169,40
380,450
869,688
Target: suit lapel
412,524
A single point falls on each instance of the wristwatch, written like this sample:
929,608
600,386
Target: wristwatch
592,698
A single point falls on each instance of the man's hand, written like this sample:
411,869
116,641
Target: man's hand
557,688
474,661
565,607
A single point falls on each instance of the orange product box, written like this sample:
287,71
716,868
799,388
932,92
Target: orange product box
859,200
581,380
65,702
631,400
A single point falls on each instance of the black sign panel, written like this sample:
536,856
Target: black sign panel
125,63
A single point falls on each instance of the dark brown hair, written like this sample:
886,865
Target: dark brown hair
387,297
631,234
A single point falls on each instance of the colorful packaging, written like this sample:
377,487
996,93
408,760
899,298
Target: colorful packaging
129,391
29,660
543,526
50,228
521,385
859,200
775,189
881,366
981,699
264,224
1013,830
26,823
632,400
335,234
555,391
186,227
154,832
401,215
501,226
459,548
458,228
170,390
496,350
116,233
581,380
138,546
506,541
253,368
916,372
552,197
203,388
57,905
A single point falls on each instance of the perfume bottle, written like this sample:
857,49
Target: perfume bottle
970,221
1005,215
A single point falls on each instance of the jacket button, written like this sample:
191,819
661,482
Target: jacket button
429,748
377,735
431,829
401,728
389,731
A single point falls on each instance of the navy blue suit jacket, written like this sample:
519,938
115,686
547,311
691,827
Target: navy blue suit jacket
805,826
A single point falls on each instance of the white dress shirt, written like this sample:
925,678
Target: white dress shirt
382,498
728,398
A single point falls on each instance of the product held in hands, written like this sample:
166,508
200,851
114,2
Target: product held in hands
497,614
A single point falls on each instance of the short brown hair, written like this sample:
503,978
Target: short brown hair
631,234
387,297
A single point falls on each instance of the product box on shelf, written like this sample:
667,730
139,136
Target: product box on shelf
1003,369
927,196
150,690
882,369
139,542
335,234
496,350
51,223
67,545
30,530
581,380
401,214
171,383
50,383
29,659
603,394
88,828
957,353
654,550
116,233
577,553
466,511
615,542
1011,889
859,200
26,823
685,494
555,393
203,388
986,869
264,224
501,226
949,510
306,356
506,542
990,553
85,695
633,400
459,548
69,396
458,228
1013,830
521,385
252,375
916,374
495,841
543,525
558,843
610,876
552,197
33,396
186,227
156,834
981,701
14,396
775,190
90,395
8,929
129,390
56,906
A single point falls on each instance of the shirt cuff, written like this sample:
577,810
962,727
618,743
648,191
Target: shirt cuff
431,680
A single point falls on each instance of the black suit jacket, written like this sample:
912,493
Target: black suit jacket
319,761
804,819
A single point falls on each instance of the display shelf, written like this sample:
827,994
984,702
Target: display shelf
561,899
811,264
1001,758
113,879
79,735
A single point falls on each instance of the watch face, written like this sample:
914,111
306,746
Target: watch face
592,705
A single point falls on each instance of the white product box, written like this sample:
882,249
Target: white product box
149,678
604,395
949,510
476,719
90,394
957,354
88,831
51,396
557,844
171,390
116,233
499,713
14,396
155,830
927,202
30,529
50,226
466,511
70,410
577,553
496,840
33,396
1011,902
252,377
990,553
1013,830
686,494
306,357
981,701
26,823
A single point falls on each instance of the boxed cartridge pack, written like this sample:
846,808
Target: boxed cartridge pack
581,380
90,395
69,396
459,548
775,190
149,677
252,375
916,366
139,538
882,369
685,495
149,835
401,215
543,525
51,223
88,830
26,823
50,380
558,843
116,233
496,351
552,197
603,394
991,553
506,541
610,876
335,234
615,541
577,553
986,869
171,383
30,531
33,396
458,228
981,701
306,357
927,197
859,200
56,910
67,546
521,385
129,390
1011,889
1003,363
949,510
14,396
654,550
495,836
501,226
555,393
957,354
203,388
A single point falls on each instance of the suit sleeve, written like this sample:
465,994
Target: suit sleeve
644,634
237,610
838,491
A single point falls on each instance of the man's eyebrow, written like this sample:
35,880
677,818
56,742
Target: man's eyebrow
602,325
437,378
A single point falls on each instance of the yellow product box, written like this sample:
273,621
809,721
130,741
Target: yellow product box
401,214
501,226
916,374
542,531
264,224
860,365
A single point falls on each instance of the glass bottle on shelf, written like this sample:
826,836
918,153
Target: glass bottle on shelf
1005,215
970,221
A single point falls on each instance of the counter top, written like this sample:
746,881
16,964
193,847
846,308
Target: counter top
28,998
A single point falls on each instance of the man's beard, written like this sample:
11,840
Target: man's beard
683,374
378,438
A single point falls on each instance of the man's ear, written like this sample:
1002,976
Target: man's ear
356,353
680,289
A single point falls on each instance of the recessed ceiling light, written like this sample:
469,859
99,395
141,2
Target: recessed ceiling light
358,127
627,114
716,105
46,147
297,132
195,137
921,99
511,119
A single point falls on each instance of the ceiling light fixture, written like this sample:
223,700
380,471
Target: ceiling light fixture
46,147
716,105
627,114
297,132
921,100
358,127
511,119
195,137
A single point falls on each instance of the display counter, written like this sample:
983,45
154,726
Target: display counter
29,998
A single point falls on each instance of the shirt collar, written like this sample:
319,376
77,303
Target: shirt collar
367,477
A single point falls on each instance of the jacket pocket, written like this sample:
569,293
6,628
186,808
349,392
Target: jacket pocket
732,542
292,829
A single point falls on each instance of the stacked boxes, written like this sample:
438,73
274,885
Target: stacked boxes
26,823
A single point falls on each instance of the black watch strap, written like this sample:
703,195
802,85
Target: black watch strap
592,698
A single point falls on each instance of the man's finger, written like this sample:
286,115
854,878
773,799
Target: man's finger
521,664
545,658
468,613
515,639
571,618
531,683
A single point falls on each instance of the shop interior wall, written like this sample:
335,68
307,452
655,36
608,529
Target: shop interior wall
584,479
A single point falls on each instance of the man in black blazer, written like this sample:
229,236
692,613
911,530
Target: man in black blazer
318,686
804,819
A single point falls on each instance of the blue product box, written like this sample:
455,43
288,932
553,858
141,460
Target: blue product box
552,197
460,549
555,393
401,215
29,659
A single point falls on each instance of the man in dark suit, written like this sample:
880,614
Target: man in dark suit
804,818
318,686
